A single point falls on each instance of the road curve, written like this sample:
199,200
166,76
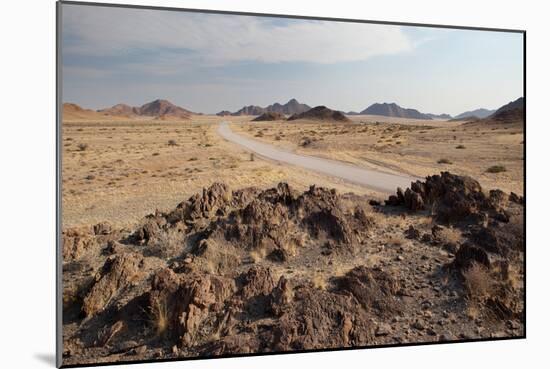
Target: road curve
376,180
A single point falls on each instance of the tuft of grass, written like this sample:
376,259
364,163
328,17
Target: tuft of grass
193,159
319,282
159,317
444,161
257,255
478,282
496,169
172,143
82,146
450,235
460,147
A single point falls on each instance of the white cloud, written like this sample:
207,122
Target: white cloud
218,39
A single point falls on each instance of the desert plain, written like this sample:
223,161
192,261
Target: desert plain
179,243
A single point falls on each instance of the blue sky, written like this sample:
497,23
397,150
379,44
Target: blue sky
211,62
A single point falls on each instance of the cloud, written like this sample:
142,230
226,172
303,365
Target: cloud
213,39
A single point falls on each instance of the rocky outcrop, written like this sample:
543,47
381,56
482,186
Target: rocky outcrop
452,198
117,273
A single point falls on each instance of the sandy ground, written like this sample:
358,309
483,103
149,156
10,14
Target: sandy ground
414,147
120,171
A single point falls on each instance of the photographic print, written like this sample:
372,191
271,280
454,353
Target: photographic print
241,184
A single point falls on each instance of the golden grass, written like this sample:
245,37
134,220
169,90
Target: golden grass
319,281
159,317
478,282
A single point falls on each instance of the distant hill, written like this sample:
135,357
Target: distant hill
120,110
76,112
223,113
394,110
470,118
512,112
513,105
269,116
321,113
479,113
439,116
352,113
160,109
164,108
249,110
290,108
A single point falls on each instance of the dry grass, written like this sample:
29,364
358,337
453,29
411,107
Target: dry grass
166,245
394,241
319,281
450,235
478,282
496,169
159,317
257,255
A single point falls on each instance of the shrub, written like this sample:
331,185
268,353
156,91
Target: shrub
82,146
172,143
461,147
444,161
496,169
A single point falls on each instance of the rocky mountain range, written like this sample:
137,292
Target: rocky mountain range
159,108
290,108
394,110
478,113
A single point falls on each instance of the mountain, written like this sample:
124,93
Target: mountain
250,110
512,112
269,116
479,113
120,110
160,109
394,110
165,109
518,104
439,116
290,108
352,113
321,113
223,113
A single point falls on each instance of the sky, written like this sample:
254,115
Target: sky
212,62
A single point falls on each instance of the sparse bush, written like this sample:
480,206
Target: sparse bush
496,169
89,177
461,147
251,157
156,154
82,146
172,143
444,161
193,159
